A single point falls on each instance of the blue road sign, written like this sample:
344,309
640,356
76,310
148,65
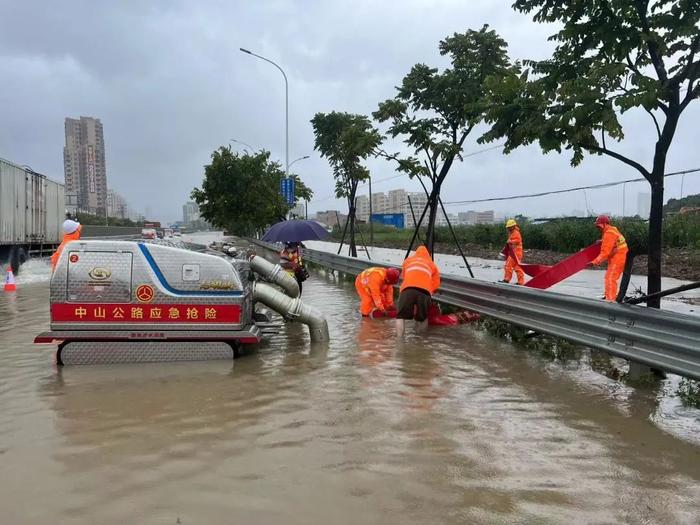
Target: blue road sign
287,190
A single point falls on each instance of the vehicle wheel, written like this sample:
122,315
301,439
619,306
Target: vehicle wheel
236,350
18,256
61,346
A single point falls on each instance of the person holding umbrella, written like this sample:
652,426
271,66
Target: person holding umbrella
290,260
291,233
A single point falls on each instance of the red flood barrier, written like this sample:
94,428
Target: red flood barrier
544,276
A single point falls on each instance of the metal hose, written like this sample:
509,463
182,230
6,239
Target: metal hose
292,308
274,273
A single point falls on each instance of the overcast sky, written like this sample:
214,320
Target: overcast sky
170,85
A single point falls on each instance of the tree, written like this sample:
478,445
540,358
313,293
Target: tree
435,112
241,192
611,56
346,140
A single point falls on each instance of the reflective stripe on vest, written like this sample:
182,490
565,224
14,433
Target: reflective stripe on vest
620,242
418,266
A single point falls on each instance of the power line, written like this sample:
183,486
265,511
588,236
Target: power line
379,181
568,190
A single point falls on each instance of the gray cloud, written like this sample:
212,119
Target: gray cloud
170,85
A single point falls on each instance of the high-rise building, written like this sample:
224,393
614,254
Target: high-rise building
418,202
299,211
84,164
362,208
331,218
116,205
476,217
190,212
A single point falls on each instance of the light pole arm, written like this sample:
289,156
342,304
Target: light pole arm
286,105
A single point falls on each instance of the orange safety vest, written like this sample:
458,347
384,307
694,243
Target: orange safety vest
374,291
419,271
365,277
67,237
613,243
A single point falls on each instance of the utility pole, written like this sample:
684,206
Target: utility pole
371,226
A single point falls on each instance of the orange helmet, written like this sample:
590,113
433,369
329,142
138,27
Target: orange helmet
392,275
602,220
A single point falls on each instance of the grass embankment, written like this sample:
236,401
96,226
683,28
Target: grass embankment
549,242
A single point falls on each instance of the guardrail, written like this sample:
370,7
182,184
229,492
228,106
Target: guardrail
663,340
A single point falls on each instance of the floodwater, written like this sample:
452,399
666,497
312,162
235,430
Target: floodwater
449,425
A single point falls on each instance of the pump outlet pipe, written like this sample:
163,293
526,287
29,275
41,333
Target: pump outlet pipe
292,308
274,273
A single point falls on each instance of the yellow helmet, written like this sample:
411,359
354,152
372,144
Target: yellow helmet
510,223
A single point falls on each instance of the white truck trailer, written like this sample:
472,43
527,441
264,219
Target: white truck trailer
32,210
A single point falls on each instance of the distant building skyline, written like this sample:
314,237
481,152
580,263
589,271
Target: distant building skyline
117,205
84,164
190,212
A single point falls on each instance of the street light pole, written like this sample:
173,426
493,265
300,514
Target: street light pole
241,142
297,160
286,106
306,208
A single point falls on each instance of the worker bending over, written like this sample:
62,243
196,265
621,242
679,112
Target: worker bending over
421,279
614,250
71,232
375,286
515,254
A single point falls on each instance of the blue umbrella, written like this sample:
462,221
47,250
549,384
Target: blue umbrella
295,231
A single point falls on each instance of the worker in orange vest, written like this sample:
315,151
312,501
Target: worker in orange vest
614,250
421,278
375,286
515,253
71,232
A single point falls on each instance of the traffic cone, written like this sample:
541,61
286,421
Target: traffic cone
10,285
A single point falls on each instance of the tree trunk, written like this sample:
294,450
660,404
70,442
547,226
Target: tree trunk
433,202
353,247
351,219
655,239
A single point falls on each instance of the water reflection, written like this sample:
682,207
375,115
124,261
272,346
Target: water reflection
444,426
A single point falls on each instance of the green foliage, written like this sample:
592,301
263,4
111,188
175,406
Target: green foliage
240,192
99,220
610,57
524,339
346,140
675,205
434,111
562,235
689,392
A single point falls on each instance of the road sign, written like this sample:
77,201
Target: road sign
287,190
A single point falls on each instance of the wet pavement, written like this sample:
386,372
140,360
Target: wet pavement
449,425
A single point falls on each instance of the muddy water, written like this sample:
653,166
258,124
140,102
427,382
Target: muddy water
445,426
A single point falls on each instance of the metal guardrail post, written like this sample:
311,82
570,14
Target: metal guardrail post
663,340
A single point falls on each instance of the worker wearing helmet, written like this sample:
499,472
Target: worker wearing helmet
421,279
375,286
71,232
614,250
515,254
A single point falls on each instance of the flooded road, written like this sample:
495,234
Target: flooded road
446,426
